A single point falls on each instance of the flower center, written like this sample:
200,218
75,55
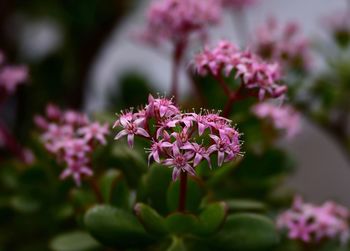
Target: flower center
180,161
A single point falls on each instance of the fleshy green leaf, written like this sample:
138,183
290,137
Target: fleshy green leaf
24,204
177,244
74,241
114,189
180,223
116,228
246,232
240,205
211,218
107,181
130,161
154,188
151,220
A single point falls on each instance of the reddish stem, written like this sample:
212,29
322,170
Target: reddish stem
196,88
177,57
11,143
223,85
96,190
183,190
234,96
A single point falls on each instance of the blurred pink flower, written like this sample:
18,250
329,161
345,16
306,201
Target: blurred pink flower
71,138
311,223
282,117
339,25
284,44
95,131
77,168
12,76
176,20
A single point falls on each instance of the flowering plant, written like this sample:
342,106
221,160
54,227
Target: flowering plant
200,171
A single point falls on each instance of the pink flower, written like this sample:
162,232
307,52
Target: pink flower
95,131
199,151
55,137
53,112
284,44
161,107
12,76
301,229
76,168
224,148
311,223
76,148
282,117
177,20
131,129
174,140
223,57
75,118
202,122
67,135
180,162
252,72
156,149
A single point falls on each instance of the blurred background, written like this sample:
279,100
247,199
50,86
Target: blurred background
80,54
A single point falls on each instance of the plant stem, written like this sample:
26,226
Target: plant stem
234,96
177,57
96,190
11,143
196,88
223,85
183,190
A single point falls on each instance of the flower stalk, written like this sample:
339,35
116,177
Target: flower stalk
177,57
183,192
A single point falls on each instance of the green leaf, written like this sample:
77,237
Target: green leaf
114,189
154,188
107,182
74,241
82,198
180,223
241,205
130,161
116,228
246,232
211,218
194,195
151,220
24,204
177,244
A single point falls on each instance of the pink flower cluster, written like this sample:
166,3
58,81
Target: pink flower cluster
284,44
311,223
253,72
282,117
71,137
11,76
239,4
180,140
176,20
